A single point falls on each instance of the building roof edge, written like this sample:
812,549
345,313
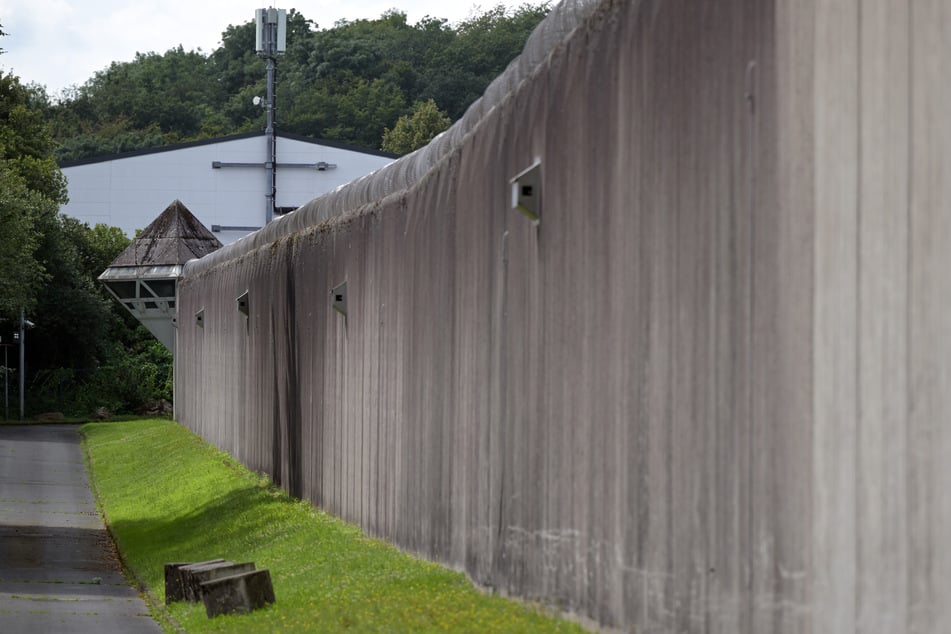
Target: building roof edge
233,137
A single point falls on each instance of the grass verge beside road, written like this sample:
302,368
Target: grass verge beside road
168,496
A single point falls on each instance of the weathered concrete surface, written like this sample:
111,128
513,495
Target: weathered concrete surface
58,568
175,578
194,576
237,593
709,392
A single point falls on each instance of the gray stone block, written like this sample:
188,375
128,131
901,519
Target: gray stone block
174,589
193,577
239,593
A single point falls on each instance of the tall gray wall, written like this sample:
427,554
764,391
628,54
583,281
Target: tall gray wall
709,392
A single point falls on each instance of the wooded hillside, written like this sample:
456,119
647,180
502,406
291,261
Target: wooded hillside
350,83
347,83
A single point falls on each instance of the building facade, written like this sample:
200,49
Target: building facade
223,181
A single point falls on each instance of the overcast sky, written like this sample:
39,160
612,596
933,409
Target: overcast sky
60,43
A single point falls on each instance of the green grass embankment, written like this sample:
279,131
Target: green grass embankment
168,496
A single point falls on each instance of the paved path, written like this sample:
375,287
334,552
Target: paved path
58,570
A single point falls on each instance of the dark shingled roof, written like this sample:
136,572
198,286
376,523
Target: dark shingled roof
175,237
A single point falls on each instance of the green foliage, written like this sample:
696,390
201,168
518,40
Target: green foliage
21,275
413,132
31,190
111,137
350,83
86,351
71,313
25,142
83,352
123,385
482,48
346,83
168,496
96,247
160,93
350,115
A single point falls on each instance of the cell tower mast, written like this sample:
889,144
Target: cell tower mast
271,41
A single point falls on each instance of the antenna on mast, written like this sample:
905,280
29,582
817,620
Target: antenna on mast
270,41
271,36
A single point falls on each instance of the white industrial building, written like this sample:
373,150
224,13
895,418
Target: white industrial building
223,181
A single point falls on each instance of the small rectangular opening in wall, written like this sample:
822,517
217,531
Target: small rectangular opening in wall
339,298
243,304
527,192
123,290
160,288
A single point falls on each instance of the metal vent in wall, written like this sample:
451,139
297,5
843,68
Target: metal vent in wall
339,298
243,304
527,192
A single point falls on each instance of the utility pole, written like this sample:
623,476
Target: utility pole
22,361
6,381
271,41
19,337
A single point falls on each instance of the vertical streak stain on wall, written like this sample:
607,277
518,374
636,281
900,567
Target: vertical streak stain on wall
881,460
929,344
836,286
705,393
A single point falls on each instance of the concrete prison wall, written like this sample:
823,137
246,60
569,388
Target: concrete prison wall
707,392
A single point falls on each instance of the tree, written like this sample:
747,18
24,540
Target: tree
49,266
20,273
166,90
86,351
484,45
352,113
412,132
346,83
26,145
31,190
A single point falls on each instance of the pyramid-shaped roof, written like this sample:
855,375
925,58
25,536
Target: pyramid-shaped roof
175,237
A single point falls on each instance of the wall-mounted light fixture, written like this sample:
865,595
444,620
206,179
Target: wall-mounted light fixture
200,318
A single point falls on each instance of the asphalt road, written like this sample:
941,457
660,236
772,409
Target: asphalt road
58,568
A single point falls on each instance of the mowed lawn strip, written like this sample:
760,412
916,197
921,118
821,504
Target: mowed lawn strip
169,496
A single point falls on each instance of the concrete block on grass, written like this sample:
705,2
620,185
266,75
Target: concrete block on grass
194,576
240,593
174,588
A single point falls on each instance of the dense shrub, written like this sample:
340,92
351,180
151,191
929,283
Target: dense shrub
124,386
